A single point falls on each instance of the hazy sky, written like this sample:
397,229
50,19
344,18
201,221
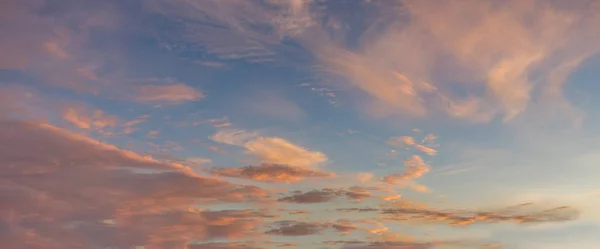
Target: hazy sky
245,124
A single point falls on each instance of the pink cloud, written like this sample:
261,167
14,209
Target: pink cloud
80,118
272,150
54,179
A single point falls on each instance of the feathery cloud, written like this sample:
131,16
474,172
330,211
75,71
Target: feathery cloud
408,142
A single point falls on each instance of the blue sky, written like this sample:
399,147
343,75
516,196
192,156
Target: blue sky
193,124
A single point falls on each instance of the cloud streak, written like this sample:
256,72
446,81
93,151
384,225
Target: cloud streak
326,195
516,214
271,173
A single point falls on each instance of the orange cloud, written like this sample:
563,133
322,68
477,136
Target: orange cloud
279,151
80,118
426,150
271,173
415,168
271,149
391,197
407,141
401,141
279,160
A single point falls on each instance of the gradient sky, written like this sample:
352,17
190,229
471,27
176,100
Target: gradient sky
245,124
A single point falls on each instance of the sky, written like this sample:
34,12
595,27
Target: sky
310,124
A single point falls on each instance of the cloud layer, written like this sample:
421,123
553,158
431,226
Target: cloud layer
60,188
196,124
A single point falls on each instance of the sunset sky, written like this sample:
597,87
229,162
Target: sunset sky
310,124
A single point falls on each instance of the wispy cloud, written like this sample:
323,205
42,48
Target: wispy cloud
410,142
504,63
516,214
415,168
447,43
